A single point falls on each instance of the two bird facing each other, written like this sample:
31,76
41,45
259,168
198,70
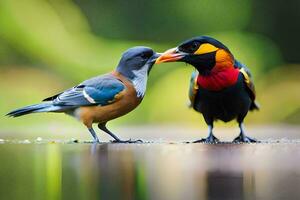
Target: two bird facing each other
103,98
221,88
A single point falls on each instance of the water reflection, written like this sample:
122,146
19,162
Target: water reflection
149,171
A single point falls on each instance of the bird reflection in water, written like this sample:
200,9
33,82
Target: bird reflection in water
149,171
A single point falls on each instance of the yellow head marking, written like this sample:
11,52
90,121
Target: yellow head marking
206,48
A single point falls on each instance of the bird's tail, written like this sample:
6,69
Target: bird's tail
254,105
42,107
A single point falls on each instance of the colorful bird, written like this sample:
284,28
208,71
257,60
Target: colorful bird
221,87
103,98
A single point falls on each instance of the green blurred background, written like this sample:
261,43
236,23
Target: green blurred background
47,46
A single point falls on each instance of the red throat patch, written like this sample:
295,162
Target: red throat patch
217,81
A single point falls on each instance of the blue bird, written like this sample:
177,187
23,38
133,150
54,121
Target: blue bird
103,98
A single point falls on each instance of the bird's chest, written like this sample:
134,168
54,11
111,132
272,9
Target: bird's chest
127,102
225,104
217,81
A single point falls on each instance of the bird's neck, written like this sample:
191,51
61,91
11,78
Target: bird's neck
218,79
222,75
139,80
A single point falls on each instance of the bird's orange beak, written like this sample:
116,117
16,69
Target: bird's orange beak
170,55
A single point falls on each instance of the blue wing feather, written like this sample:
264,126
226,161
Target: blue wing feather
100,90
104,95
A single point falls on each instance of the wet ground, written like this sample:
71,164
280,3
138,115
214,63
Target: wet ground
42,169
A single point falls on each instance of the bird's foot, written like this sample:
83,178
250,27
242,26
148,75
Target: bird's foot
96,141
127,141
244,139
210,140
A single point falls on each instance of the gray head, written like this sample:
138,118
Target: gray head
135,60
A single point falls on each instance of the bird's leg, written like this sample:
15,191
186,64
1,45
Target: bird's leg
103,127
242,137
91,130
210,139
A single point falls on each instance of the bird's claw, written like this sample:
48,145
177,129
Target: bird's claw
209,140
96,141
127,141
245,139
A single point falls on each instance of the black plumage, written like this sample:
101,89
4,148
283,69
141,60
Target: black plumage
221,88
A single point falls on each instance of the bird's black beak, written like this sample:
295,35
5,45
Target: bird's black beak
171,55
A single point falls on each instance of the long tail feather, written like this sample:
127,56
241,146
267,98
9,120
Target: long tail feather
254,106
42,107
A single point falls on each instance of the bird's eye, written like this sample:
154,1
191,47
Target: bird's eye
144,56
194,46
189,47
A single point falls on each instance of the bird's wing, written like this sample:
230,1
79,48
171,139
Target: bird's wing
101,90
249,83
193,87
